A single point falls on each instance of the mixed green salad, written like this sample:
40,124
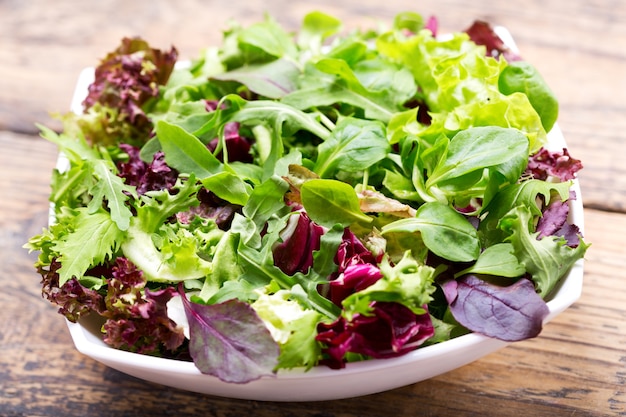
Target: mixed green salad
288,200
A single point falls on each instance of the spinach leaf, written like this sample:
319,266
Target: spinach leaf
444,231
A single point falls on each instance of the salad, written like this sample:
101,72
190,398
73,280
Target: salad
289,200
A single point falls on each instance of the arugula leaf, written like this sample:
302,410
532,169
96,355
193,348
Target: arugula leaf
266,200
96,175
110,188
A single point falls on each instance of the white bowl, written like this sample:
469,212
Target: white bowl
322,383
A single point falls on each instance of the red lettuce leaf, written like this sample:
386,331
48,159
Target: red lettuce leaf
354,278
553,222
137,317
483,34
545,163
229,340
510,313
74,300
153,176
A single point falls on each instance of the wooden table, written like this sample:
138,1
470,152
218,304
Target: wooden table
576,367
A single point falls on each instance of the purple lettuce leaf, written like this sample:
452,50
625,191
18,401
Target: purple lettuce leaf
136,316
553,222
545,163
483,34
229,340
153,176
129,76
391,330
126,81
300,238
74,300
510,313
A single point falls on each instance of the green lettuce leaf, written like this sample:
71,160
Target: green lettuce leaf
548,259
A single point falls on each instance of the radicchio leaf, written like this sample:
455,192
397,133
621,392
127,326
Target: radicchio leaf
354,278
229,340
301,238
510,313
391,330
237,146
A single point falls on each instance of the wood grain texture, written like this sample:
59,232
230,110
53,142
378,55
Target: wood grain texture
577,367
